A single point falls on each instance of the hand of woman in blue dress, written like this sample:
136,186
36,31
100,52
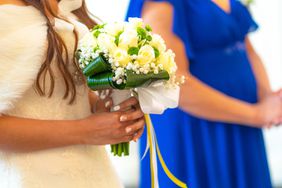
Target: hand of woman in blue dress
269,110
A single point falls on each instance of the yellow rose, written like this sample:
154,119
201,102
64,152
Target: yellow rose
158,42
167,61
120,55
146,55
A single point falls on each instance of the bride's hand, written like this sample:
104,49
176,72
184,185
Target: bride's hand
128,106
112,127
269,110
104,102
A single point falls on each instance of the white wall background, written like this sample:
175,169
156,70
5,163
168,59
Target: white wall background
268,42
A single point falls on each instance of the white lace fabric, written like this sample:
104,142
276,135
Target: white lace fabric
23,43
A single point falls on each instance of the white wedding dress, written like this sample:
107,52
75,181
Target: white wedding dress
23,44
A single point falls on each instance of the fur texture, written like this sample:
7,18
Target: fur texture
22,47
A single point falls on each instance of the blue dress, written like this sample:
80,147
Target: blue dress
203,153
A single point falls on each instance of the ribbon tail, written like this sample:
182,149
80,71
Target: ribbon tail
147,148
153,155
174,179
155,145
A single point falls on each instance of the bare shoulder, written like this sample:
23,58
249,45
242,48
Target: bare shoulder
13,2
158,8
158,5
158,14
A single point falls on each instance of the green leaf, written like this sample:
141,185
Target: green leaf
100,26
149,38
96,33
96,48
134,80
117,38
98,65
148,28
133,51
142,33
157,52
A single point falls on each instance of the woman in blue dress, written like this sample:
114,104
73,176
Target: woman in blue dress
214,140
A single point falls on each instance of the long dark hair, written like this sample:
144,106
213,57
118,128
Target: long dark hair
58,49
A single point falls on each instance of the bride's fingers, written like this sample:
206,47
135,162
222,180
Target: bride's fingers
103,94
108,103
131,116
127,139
138,134
132,101
135,127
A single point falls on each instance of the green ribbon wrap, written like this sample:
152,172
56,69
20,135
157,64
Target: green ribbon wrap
98,65
100,76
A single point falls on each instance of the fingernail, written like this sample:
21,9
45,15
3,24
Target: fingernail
123,118
128,130
116,108
107,104
102,96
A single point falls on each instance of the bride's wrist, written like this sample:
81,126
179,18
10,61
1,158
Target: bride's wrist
82,130
74,132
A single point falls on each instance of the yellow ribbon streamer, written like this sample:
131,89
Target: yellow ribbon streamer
147,119
175,180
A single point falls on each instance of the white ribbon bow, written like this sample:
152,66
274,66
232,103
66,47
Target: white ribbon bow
154,99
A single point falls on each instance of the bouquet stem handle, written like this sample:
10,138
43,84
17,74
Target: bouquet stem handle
118,97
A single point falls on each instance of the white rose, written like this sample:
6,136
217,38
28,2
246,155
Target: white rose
106,42
88,41
158,42
146,55
120,55
129,38
167,61
136,22
114,28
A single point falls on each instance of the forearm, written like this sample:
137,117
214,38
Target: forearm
263,83
205,102
22,135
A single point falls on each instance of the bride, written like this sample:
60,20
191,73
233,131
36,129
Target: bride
52,127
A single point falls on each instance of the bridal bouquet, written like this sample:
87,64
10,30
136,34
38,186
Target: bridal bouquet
129,58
